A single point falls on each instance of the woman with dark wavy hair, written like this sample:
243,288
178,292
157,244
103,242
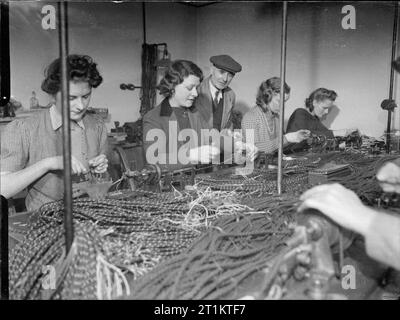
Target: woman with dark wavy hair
31,148
162,125
263,119
317,105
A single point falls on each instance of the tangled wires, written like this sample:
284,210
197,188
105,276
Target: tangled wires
226,261
118,238
259,181
113,238
210,243
362,178
235,254
83,274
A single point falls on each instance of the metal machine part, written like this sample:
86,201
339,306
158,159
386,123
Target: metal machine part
328,172
263,160
306,260
162,180
323,234
154,177
150,174
322,143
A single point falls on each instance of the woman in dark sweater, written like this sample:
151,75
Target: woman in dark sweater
317,105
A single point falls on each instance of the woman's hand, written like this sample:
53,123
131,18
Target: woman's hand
340,204
298,136
389,177
203,154
99,164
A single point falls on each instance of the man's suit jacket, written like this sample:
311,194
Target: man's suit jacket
204,103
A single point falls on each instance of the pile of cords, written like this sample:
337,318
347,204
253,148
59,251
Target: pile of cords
225,261
40,269
228,259
129,235
139,233
261,181
362,179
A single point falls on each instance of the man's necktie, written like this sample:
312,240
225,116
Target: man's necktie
216,97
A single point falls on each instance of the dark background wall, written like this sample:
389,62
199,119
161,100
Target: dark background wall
320,53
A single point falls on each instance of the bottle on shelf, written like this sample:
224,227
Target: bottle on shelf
34,102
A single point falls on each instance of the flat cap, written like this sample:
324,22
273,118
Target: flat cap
226,62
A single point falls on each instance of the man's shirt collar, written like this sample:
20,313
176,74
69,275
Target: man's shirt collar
213,89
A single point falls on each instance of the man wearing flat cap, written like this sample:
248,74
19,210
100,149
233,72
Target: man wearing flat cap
215,99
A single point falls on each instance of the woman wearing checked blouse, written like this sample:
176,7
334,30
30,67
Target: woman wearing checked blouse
263,118
31,148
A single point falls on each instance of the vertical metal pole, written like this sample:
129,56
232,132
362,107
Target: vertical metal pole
4,283
63,36
394,46
144,21
4,99
282,102
4,57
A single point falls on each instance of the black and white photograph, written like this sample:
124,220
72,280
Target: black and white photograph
199,156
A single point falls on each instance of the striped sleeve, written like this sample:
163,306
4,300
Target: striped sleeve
262,139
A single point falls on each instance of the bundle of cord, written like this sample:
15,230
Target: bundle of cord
362,179
223,263
261,181
156,227
203,205
301,165
132,236
273,203
40,268
342,157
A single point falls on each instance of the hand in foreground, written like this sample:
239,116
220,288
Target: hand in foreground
340,204
389,177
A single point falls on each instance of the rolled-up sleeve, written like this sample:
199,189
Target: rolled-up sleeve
14,149
383,240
